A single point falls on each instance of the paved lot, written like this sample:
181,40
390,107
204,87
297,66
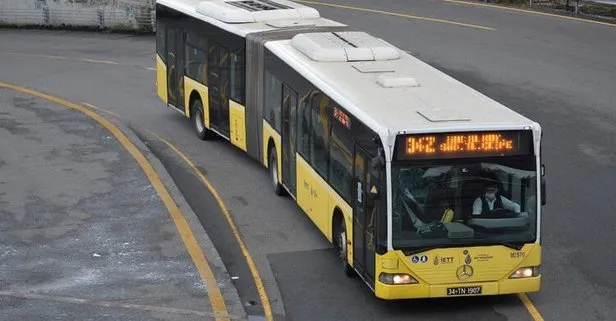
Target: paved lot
83,233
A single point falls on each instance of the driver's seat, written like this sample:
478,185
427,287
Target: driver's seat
470,191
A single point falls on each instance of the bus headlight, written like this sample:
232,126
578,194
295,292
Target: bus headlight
525,272
390,278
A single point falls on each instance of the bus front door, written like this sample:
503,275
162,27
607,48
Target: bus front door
364,214
289,129
218,88
174,68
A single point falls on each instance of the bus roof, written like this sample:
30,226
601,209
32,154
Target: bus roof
383,86
242,17
390,90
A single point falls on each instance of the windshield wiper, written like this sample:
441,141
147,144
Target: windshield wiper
426,248
511,245
515,246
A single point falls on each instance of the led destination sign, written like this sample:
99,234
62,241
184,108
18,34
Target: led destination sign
468,144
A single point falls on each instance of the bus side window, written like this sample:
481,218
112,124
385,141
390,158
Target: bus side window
340,163
196,58
238,76
273,100
303,126
319,156
161,40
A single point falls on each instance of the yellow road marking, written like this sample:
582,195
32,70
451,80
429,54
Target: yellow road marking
251,265
531,12
530,307
35,55
403,15
94,61
214,294
102,110
106,62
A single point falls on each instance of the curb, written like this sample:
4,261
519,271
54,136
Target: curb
233,302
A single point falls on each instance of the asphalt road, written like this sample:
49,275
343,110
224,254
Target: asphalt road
559,72
84,235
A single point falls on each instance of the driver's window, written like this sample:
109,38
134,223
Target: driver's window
424,196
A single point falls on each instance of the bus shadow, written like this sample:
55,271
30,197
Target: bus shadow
475,308
313,288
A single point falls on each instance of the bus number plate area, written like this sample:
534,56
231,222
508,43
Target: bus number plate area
464,290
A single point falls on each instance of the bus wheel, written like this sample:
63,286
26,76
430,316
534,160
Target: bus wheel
197,121
273,166
341,247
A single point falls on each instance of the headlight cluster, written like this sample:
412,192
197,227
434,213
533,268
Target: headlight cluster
398,278
525,272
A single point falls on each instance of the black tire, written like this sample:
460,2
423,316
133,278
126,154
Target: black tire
197,121
341,249
273,168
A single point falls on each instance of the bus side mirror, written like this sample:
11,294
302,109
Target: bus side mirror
377,163
543,192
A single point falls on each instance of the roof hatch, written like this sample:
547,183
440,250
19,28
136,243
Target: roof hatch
396,81
344,46
247,11
373,67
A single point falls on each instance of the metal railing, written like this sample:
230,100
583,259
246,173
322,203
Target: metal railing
140,15
137,16
597,8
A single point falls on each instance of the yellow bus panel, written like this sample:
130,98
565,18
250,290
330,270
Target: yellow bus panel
269,132
312,195
489,263
161,79
436,271
190,86
319,201
237,124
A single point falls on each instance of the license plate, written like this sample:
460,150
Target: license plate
464,290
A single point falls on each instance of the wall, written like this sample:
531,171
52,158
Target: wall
104,14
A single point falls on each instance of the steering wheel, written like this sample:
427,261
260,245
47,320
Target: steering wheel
501,213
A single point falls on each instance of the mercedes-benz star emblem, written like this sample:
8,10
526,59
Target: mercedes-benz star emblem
464,272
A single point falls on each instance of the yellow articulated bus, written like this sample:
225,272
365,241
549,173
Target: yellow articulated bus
424,186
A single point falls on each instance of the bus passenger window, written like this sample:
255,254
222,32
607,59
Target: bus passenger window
161,40
303,127
238,79
273,100
341,164
319,155
196,58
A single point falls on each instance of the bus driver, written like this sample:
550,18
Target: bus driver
491,200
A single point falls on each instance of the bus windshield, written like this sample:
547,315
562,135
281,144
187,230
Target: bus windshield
464,202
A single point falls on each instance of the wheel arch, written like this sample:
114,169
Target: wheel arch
194,96
271,145
337,221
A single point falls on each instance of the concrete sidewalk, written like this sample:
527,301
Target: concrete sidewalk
83,233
